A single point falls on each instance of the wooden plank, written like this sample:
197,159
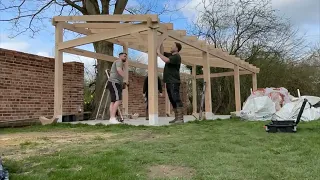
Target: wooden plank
105,57
103,36
231,73
206,73
152,78
225,56
198,46
71,27
96,31
109,18
185,41
140,39
58,73
112,25
254,82
194,89
237,88
161,38
126,79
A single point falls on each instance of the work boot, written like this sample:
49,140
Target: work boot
175,116
176,113
180,115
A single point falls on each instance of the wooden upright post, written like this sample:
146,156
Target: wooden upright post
206,76
152,77
58,73
194,89
254,82
237,87
126,79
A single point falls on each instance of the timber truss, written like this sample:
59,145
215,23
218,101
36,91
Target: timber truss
144,33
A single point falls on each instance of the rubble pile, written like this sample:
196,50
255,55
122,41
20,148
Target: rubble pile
278,104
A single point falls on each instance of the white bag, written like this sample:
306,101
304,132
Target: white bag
258,108
291,110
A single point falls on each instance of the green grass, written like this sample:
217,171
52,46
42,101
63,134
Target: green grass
222,149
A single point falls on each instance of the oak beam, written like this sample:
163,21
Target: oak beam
109,18
112,25
223,74
103,36
105,57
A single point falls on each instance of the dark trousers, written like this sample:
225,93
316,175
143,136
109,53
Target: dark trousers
173,90
147,102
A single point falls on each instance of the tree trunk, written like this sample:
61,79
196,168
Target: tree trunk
102,47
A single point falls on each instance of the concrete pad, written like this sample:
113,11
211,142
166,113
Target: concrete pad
163,121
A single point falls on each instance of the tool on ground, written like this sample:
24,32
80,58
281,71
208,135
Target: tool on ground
288,125
121,119
202,101
4,174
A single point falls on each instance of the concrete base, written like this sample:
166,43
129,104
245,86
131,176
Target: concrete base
153,119
209,115
59,118
162,121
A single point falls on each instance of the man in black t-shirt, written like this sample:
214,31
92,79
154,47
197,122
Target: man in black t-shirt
171,76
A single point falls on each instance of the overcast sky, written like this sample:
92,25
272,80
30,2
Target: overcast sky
303,14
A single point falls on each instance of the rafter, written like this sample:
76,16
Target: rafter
109,18
103,36
231,73
112,25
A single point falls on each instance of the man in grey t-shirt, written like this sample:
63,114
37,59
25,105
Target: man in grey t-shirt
115,86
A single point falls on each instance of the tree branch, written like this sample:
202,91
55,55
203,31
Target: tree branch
105,6
73,4
120,6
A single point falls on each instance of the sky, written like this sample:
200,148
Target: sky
303,14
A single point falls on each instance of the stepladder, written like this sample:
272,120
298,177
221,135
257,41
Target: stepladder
118,114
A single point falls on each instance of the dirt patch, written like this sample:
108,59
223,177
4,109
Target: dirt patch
168,171
21,145
43,137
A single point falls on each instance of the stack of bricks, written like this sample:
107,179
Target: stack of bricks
27,87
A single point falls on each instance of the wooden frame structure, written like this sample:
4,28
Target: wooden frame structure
144,33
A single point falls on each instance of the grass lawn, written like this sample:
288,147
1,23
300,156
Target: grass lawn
222,149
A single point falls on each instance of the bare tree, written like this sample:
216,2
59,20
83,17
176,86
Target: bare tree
238,26
31,16
244,28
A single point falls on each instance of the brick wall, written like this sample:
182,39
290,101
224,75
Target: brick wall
27,87
136,100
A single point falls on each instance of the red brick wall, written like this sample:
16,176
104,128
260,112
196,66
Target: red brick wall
27,86
136,100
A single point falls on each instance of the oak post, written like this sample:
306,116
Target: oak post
152,78
206,75
58,73
237,88
194,89
254,82
126,79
